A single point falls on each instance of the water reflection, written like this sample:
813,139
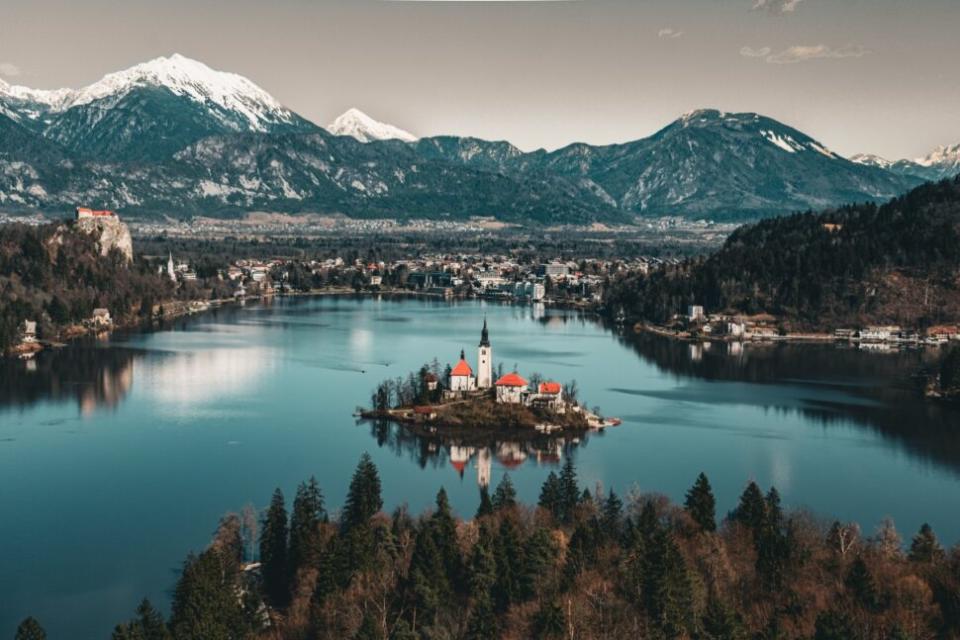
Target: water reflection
471,456
93,377
824,382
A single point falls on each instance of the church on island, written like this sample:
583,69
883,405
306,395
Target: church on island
510,388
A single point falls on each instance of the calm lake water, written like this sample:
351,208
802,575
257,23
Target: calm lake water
118,457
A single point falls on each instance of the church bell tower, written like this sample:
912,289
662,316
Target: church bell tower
484,360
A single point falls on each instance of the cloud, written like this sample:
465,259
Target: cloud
779,7
669,32
9,69
749,52
802,53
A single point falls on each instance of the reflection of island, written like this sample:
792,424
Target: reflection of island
471,454
92,376
465,403
839,384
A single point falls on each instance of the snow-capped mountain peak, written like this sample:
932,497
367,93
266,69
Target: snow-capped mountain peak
871,160
178,74
359,125
943,155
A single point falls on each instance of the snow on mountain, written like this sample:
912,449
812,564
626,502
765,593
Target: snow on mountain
942,156
178,74
871,160
357,124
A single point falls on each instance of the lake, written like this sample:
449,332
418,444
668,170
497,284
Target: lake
118,456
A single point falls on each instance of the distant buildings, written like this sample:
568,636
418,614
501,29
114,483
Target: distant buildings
85,212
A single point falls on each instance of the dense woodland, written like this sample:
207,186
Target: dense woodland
898,262
55,275
580,564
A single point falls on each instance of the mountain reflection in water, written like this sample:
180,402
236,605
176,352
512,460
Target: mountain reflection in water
839,383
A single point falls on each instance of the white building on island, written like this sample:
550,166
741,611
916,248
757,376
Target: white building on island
461,377
511,388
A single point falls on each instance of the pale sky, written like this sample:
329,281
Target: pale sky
877,76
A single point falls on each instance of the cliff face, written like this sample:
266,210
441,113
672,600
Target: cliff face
111,234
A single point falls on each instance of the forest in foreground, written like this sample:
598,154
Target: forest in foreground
579,564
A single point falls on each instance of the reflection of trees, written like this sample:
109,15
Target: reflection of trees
876,390
438,450
92,376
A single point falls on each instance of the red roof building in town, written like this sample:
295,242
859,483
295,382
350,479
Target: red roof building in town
511,380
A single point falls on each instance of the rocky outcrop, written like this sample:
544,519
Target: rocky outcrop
111,234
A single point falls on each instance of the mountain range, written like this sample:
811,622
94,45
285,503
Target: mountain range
174,137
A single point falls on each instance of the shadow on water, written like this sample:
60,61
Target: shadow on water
827,383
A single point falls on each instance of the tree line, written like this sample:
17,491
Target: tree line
895,263
579,564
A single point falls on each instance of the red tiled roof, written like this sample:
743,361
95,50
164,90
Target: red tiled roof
459,465
462,369
423,409
511,380
549,387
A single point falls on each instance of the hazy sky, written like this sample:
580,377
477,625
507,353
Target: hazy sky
879,76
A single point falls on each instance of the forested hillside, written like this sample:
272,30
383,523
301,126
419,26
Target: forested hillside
55,274
579,565
898,262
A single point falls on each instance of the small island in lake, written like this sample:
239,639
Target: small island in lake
461,400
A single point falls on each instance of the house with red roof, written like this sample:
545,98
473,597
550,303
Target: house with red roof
511,388
461,377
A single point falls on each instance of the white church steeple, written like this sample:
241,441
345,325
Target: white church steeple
484,360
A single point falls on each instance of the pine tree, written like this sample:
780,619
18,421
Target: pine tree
205,603
508,553
648,523
30,629
550,621
505,496
444,529
363,497
860,581
752,509
539,555
308,513
720,622
667,591
486,505
148,625
611,516
701,505
481,623
550,496
428,584
925,547
833,625
273,550
569,494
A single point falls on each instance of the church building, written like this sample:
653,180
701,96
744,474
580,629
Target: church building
462,377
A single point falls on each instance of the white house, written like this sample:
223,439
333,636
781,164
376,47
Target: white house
511,388
29,331
695,313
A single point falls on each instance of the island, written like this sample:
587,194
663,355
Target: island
462,401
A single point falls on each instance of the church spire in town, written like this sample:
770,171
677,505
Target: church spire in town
484,336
